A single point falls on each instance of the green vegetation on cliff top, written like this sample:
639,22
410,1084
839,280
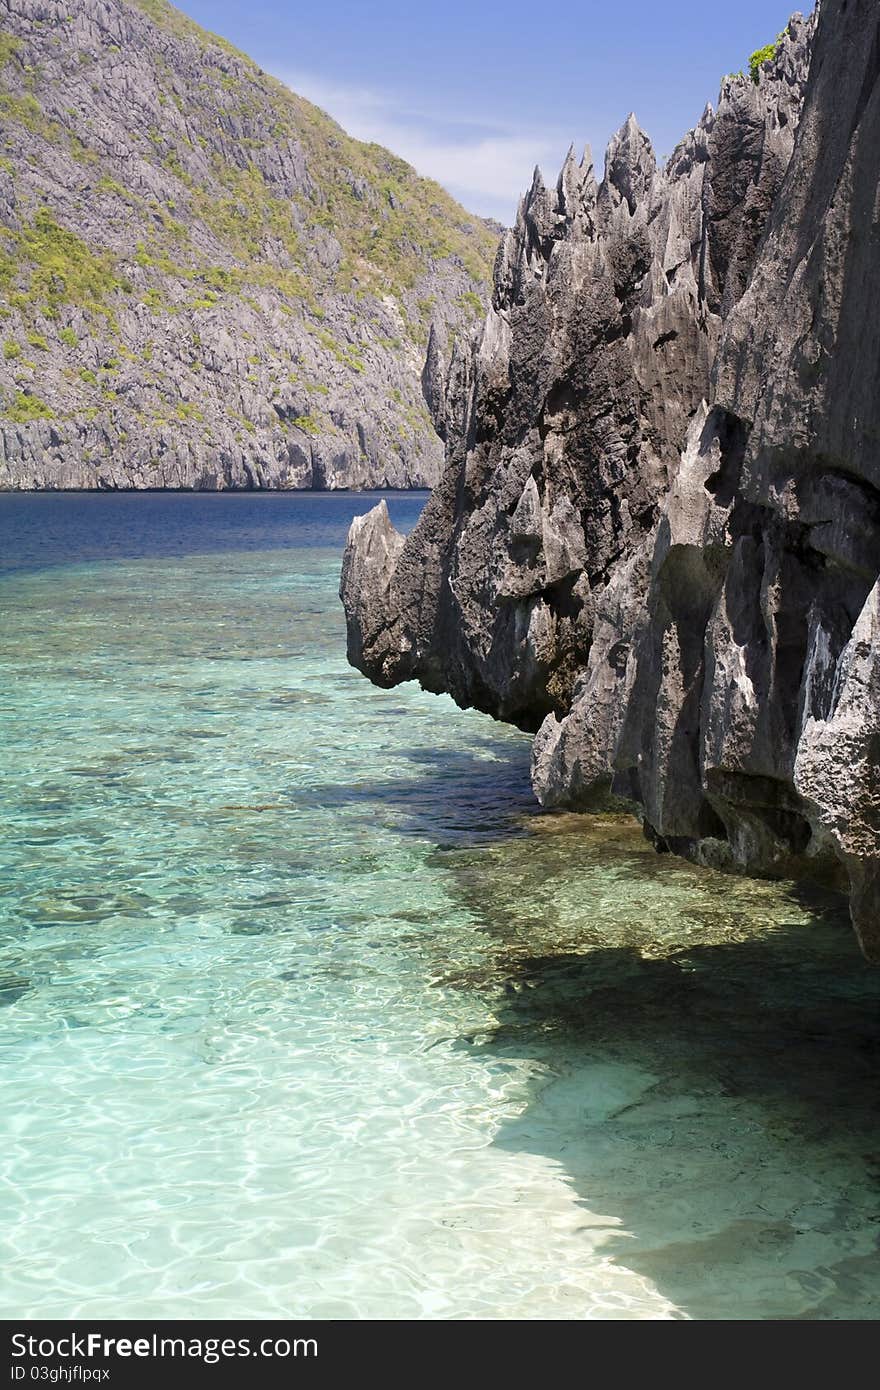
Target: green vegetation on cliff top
762,56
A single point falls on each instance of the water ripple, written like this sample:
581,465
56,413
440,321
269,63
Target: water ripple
307,1012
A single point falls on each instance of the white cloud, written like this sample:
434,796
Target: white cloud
485,165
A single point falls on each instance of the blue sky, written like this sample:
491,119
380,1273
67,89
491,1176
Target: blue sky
475,94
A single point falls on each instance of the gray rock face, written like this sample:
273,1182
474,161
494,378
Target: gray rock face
781,744
565,423
203,281
681,597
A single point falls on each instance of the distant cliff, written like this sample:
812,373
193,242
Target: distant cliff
203,281
656,541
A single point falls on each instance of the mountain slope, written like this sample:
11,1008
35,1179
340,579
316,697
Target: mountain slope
204,282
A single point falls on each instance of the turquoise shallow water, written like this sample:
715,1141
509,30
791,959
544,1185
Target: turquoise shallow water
306,1011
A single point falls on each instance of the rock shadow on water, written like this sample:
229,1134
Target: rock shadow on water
714,1100
452,797
724,1107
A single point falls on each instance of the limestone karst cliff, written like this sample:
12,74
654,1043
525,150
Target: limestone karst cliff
203,281
656,540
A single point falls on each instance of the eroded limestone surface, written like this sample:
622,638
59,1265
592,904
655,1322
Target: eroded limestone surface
656,541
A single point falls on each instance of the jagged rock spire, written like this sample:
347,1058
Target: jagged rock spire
630,164
576,187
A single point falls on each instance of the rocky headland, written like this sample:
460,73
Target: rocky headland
204,282
656,540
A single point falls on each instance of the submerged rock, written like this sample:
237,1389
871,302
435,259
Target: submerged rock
657,537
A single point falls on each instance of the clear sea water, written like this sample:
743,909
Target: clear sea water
308,1011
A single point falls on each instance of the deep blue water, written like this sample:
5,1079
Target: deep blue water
64,528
